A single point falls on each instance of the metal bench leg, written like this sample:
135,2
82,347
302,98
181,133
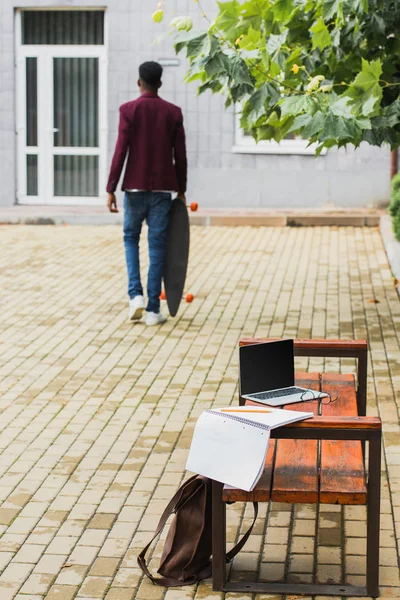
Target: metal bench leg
373,515
218,537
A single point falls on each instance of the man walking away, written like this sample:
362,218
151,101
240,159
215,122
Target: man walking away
151,133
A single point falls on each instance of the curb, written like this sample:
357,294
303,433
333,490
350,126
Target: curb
20,216
290,220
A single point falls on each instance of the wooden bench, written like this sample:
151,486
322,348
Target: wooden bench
318,461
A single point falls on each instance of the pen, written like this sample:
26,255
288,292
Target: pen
245,412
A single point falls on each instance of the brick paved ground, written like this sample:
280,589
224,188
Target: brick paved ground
97,413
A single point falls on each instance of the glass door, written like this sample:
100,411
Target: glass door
76,127
61,112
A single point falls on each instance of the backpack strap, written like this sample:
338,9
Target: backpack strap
207,571
236,549
141,559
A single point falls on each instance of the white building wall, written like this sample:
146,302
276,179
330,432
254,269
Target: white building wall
218,178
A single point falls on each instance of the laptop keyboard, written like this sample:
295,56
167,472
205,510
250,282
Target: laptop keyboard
277,393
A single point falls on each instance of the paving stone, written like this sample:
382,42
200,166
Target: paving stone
102,521
103,567
303,545
328,573
29,553
72,575
61,592
329,556
37,583
98,413
16,573
5,558
120,594
127,577
94,587
50,564
7,515
83,555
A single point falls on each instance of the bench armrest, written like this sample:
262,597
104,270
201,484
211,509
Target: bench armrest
332,428
337,423
318,347
332,348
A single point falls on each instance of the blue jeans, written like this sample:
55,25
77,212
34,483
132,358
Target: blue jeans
154,207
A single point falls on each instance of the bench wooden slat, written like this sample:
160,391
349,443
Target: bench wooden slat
296,471
342,467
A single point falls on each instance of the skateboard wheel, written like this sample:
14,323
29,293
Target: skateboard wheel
189,298
162,295
194,206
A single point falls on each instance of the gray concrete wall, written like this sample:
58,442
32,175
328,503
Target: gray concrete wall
218,178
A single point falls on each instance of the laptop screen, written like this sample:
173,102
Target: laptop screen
267,366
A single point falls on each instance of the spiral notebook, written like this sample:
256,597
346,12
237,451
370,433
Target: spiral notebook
230,444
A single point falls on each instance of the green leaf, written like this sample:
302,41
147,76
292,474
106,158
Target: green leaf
276,128
366,91
250,40
182,38
240,72
340,128
274,69
378,24
214,86
314,126
231,8
331,8
321,37
283,9
228,18
275,42
265,59
300,122
294,105
217,65
392,113
256,106
158,16
198,46
214,45
341,107
238,92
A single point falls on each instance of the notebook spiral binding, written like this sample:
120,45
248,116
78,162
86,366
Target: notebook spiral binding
238,419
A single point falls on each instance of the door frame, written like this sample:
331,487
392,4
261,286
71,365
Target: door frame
46,149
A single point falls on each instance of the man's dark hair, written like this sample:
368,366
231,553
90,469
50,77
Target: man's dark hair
150,73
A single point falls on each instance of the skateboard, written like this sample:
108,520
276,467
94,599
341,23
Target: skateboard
177,255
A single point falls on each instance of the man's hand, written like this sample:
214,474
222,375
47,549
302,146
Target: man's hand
112,203
182,196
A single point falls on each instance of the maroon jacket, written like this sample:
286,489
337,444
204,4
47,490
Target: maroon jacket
151,131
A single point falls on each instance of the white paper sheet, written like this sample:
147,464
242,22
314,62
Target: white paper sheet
228,451
230,444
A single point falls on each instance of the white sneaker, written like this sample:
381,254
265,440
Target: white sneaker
136,308
153,318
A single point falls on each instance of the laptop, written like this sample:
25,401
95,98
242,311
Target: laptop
267,374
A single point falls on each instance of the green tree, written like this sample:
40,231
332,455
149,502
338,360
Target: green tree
394,208
327,70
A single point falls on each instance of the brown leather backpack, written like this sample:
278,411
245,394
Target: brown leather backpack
188,548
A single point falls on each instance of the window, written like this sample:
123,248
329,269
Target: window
292,144
63,27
